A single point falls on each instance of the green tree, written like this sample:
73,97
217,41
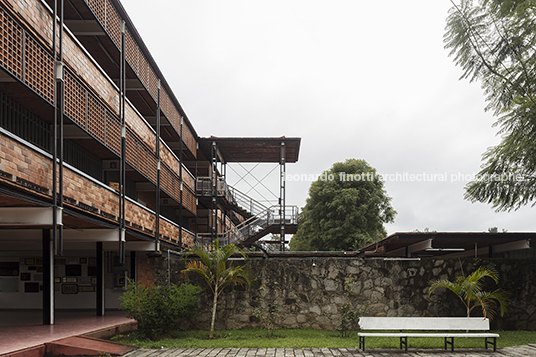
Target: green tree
471,292
493,41
214,268
346,209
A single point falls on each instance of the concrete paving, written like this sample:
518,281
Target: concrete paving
518,351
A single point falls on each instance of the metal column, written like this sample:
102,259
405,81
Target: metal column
100,279
214,181
158,163
282,207
48,278
133,266
122,159
57,150
180,178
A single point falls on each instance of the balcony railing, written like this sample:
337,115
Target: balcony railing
205,188
255,225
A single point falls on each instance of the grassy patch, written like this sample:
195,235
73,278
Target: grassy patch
308,338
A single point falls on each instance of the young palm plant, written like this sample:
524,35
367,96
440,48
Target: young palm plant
213,268
470,291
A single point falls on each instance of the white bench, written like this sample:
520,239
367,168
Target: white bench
417,327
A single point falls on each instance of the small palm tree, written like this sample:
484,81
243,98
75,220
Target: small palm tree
469,290
213,268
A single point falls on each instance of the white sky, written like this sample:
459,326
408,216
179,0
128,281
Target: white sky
353,78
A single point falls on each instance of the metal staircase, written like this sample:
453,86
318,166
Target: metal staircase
266,222
230,195
260,220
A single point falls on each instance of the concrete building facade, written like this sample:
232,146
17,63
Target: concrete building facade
100,168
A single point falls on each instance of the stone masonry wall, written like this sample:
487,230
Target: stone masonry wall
311,290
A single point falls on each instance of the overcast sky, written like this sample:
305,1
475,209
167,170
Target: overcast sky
353,78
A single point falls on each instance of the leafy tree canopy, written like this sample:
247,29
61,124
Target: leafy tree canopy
494,42
346,209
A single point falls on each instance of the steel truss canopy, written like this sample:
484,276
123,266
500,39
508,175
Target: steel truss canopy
448,244
252,149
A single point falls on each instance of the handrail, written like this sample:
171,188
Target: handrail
262,221
253,225
233,195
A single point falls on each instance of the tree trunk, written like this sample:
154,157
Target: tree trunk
214,303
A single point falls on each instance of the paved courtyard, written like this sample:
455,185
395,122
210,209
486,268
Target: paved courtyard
518,351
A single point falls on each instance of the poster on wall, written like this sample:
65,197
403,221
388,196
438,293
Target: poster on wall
31,287
9,285
9,268
120,278
69,289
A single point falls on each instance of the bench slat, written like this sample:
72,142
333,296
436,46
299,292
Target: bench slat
424,323
427,334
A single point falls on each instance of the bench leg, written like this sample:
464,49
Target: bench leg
451,343
362,342
404,342
494,343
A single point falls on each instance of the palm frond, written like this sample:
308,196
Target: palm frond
471,292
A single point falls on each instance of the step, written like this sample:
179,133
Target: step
86,346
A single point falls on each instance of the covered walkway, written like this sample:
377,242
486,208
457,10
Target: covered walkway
21,329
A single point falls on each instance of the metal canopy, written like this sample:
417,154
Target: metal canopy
447,244
252,149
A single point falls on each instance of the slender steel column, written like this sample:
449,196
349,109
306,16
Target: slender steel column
180,178
196,240
59,108
100,279
282,207
133,266
158,163
60,134
122,161
214,179
48,278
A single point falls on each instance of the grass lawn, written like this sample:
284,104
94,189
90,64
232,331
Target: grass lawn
304,338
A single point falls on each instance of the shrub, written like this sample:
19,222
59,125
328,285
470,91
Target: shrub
470,290
159,309
267,310
350,314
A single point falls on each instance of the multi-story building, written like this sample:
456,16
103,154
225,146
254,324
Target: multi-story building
100,168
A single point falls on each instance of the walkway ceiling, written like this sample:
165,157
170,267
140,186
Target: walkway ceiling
252,149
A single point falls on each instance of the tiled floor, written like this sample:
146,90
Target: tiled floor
518,351
24,328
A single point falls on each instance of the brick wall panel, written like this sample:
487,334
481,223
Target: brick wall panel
10,45
75,100
140,217
24,163
113,134
133,51
39,70
96,118
189,201
145,270
112,23
138,126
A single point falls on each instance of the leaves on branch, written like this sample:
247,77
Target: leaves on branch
494,42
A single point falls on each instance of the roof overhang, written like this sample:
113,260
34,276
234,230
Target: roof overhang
448,244
252,149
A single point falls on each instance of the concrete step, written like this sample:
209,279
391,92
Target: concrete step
86,346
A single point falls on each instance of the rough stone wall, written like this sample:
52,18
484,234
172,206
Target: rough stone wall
311,290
